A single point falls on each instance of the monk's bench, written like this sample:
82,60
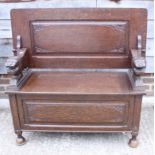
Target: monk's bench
77,70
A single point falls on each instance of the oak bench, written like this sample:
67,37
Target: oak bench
77,70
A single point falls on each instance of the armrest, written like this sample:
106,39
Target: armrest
14,63
17,65
138,63
138,60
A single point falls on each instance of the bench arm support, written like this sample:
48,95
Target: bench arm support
17,65
138,63
14,63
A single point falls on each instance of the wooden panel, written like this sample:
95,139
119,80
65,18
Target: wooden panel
135,17
75,112
74,37
80,113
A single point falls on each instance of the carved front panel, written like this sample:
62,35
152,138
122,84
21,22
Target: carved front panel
75,112
79,37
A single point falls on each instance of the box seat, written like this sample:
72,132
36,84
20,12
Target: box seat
78,83
77,70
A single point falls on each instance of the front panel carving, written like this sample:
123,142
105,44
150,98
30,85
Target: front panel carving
79,37
75,112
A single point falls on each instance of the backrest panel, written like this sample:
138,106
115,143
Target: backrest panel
79,38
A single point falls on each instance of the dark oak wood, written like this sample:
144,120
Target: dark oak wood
78,83
76,113
79,38
91,40
77,70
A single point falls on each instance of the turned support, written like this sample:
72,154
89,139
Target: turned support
20,139
133,142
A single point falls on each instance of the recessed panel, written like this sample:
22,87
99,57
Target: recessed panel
79,37
75,112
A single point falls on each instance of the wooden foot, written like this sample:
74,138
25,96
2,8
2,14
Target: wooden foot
20,139
133,142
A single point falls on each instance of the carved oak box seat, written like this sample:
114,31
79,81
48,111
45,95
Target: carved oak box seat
77,70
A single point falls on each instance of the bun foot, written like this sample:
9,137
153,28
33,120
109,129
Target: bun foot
133,143
20,140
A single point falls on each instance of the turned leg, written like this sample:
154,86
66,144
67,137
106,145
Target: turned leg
133,142
20,139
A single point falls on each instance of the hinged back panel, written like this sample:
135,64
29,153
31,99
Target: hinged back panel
79,38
